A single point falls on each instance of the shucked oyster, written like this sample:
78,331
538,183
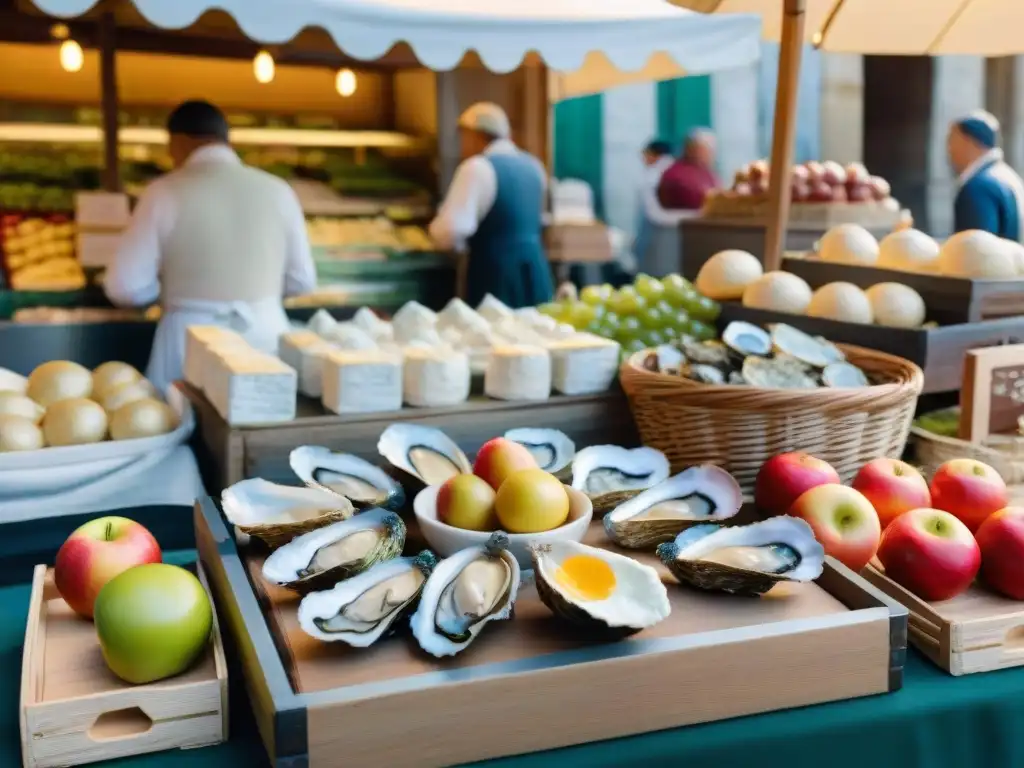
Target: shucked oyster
425,453
365,608
746,339
337,552
815,352
343,474
745,560
609,474
276,514
777,373
474,586
552,449
697,495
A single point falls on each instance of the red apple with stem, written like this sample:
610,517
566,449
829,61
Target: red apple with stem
785,477
843,521
893,487
931,553
969,489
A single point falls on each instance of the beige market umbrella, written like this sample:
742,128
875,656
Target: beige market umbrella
879,27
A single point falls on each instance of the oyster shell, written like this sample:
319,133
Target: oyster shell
776,374
602,592
844,375
466,591
792,341
832,352
551,448
276,514
337,552
705,352
701,494
366,607
745,560
746,339
343,474
609,474
705,374
426,453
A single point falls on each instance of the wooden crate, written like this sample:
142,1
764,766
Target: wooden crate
75,711
938,351
578,243
869,214
977,631
230,454
950,300
325,705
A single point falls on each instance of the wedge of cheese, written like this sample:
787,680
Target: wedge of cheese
249,387
198,338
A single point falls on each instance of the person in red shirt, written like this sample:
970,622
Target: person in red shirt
687,181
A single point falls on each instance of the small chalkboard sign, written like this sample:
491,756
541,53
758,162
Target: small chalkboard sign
992,397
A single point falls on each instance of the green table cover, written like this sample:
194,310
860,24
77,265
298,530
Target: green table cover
936,721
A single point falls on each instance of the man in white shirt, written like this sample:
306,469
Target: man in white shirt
216,241
493,210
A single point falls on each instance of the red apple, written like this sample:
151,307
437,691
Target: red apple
833,173
843,520
799,173
821,192
968,489
893,487
859,193
856,173
499,458
839,194
800,191
743,190
880,188
785,477
1001,539
931,553
97,552
759,170
759,186
815,172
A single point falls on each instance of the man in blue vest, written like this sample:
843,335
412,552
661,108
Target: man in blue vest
493,210
991,194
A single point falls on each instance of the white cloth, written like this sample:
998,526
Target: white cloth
471,196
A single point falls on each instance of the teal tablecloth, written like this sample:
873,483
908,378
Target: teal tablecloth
936,721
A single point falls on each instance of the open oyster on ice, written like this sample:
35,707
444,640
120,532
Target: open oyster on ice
609,474
745,560
426,453
343,474
702,494
552,449
465,592
606,593
276,514
367,607
337,552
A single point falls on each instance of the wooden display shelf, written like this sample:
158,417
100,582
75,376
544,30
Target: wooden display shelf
978,631
330,705
75,711
950,300
232,454
938,351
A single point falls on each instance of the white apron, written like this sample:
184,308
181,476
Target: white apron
260,323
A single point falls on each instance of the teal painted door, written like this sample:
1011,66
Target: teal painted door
579,144
683,105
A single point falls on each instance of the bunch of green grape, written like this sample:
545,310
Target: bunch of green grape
645,314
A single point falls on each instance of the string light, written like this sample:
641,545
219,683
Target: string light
263,67
345,82
71,56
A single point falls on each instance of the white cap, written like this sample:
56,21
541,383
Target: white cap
487,118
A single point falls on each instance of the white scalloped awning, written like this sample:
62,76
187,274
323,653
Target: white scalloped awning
590,44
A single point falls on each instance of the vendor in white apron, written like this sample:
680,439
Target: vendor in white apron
216,241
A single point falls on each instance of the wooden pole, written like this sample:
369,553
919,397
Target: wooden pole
784,131
110,102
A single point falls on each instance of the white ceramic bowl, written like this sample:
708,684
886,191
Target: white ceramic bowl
446,540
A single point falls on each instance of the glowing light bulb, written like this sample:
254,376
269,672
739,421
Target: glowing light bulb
345,82
71,56
263,67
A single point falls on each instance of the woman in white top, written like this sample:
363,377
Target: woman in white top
215,241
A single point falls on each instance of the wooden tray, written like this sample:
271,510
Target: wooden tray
75,711
237,453
938,351
521,686
977,631
950,300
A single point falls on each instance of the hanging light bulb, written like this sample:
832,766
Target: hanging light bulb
345,82
71,56
263,67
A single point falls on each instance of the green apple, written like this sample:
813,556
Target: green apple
153,622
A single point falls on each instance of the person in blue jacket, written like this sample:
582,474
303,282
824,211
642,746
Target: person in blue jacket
991,194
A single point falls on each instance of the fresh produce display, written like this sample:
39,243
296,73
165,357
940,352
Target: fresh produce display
969,490
361,233
97,552
893,487
63,404
843,520
814,182
786,358
645,314
39,253
153,622
1001,540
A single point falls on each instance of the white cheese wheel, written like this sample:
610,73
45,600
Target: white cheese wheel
493,310
583,364
850,244
322,322
841,301
896,305
727,274
348,335
411,318
362,381
518,372
977,254
910,250
778,292
435,377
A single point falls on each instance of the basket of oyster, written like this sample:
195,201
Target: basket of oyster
737,401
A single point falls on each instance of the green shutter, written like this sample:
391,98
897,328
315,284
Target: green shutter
579,144
683,104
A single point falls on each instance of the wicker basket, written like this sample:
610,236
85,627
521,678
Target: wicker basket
1005,453
740,427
